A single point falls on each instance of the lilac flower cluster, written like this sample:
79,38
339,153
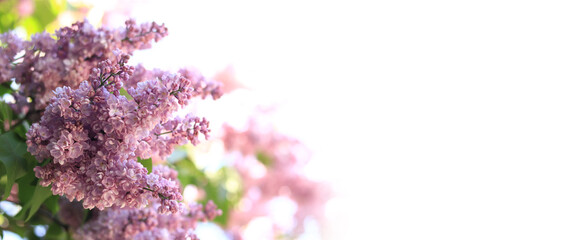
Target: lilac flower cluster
92,137
146,223
201,86
177,132
44,63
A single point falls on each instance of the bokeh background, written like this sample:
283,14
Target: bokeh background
431,119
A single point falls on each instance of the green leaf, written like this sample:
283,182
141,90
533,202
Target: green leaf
31,161
40,194
189,173
21,129
55,231
27,183
3,178
5,88
11,155
25,188
52,204
125,93
147,163
264,159
5,113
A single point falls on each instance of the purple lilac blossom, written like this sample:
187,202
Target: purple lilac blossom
202,87
44,63
92,137
176,132
146,223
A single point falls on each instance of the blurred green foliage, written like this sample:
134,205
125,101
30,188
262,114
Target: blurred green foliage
41,18
223,186
265,159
